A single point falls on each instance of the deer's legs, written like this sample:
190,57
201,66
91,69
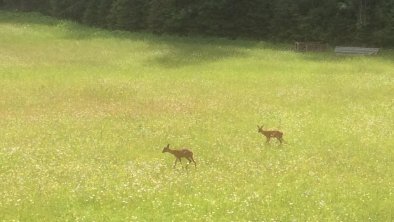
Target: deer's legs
268,140
195,164
280,140
188,162
176,160
190,159
187,165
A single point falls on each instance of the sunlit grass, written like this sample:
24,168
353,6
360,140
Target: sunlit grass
85,113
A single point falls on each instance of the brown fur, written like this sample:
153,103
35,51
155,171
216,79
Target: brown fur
271,134
185,153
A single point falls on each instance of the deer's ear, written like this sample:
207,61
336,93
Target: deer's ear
168,145
258,127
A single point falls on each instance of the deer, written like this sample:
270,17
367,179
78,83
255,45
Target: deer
185,153
271,134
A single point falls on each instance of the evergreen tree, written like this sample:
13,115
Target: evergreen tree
103,10
159,15
127,14
285,20
72,9
358,22
383,18
90,16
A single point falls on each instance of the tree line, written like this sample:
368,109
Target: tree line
352,22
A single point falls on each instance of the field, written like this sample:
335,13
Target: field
85,114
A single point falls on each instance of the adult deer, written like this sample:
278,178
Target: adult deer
271,134
185,153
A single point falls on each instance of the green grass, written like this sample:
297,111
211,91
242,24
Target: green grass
85,113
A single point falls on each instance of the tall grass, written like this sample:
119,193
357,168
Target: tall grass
85,113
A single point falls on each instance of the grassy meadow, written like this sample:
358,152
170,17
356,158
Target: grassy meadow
85,114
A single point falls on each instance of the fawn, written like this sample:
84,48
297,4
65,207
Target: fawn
185,153
268,134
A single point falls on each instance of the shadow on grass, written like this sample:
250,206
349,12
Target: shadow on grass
169,51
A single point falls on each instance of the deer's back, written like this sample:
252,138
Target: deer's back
183,153
274,133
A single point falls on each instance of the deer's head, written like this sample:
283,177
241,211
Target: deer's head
166,148
260,129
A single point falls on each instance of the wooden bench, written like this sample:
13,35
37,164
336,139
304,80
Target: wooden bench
310,47
356,51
